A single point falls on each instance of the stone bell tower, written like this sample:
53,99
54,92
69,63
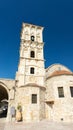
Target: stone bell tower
31,62
30,90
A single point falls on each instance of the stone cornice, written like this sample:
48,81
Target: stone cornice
32,59
31,42
59,75
33,85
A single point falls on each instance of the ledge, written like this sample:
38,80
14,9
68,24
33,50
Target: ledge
49,102
33,85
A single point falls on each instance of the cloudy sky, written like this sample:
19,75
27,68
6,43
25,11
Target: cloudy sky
56,16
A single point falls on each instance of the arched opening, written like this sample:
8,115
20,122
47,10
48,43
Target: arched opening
32,54
32,38
3,102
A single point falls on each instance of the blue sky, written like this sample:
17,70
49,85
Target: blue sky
56,16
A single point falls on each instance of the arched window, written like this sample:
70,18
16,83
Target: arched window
32,54
31,70
32,38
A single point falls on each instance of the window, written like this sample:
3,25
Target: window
71,91
32,38
60,92
31,70
32,54
34,98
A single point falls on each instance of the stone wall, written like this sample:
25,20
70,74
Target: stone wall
62,109
30,111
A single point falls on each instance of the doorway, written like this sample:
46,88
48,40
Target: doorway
3,102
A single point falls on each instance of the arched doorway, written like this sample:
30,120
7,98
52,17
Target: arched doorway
3,102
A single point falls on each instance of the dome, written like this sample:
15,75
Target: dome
60,72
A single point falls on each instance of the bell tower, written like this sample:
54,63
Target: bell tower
31,62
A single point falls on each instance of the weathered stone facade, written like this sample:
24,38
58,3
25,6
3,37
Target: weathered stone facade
36,88
59,108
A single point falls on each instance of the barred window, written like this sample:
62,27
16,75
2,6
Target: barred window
60,92
34,98
71,91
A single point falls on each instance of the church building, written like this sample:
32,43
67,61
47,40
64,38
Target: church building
40,93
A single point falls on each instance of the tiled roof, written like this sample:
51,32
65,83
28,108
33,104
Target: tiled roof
60,72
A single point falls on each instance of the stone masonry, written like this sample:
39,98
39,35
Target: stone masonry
42,93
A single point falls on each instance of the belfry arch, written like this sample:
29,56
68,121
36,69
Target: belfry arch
3,100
